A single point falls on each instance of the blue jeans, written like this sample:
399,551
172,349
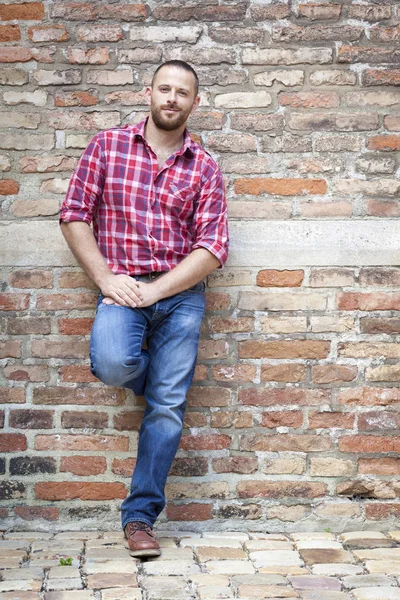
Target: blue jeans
162,373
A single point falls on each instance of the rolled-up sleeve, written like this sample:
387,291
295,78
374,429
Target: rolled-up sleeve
85,186
210,219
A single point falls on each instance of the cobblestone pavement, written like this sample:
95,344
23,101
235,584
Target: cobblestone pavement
358,565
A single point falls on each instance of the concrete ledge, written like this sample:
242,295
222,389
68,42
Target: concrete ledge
281,244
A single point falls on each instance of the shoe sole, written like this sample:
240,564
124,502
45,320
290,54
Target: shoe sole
145,553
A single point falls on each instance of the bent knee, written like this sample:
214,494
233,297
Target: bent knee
117,372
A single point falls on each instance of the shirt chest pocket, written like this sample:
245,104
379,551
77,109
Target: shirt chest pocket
181,200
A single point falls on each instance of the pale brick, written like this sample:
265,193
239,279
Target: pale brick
165,34
366,98
43,164
243,100
37,98
91,56
5,164
379,187
68,77
245,164
294,465
287,78
283,324
333,77
376,165
13,76
54,186
335,510
84,120
23,141
282,301
331,467
77,140
99,33
140,55
35,208
20,120
201,56
119,77
338,143
275,56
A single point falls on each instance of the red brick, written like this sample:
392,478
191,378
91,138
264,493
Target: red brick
123,466
380,325
75,326
369,443
12,442
31,278
287,372
309,99
324,374
366,396
231,324
128,421
379,466
237,419
28,325
208,396
380,77
31,419
1,419
235,464
234,373
104,396
75,11
76,374
27,372
200,12
77,98
11,54
205,442
384,142
280,187
322,10
66,301
189,467
28,11
10,349
366,54
217,301
275,278
46,164
12,395
12,301
10,33
275,11
376,420
280,489
369,12
283,396
213,349
194,419
384,208
60,348
83,56
68,490
381,511
189,512
384,34
83,465
254,442
76,419
368,301
313,33
284,418
86,443
31,513
331,420
3,513
284,349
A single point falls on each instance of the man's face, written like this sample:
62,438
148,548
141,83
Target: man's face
172,98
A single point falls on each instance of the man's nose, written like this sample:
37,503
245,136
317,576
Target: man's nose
171,96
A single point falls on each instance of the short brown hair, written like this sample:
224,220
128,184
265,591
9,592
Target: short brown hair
181,64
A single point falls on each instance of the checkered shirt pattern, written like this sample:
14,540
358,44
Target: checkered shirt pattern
146,219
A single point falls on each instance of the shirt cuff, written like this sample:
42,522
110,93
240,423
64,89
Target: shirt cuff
217,249
78,215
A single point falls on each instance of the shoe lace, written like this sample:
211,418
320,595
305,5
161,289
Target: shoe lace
134,526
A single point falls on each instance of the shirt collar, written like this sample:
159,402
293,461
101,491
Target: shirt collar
187,146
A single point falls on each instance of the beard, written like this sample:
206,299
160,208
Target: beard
168,123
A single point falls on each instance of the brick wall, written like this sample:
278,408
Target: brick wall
292,420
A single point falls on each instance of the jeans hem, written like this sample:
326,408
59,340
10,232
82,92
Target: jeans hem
134,519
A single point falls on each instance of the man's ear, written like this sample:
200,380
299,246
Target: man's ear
195,104
147,94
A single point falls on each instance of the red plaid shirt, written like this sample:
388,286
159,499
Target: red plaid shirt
145,218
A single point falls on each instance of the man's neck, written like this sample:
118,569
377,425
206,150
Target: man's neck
159,139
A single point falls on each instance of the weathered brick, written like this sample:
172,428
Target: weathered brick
189,467
284,442
13,76
320,11
369,12
283,396
12,395
214,489
31,419
333,122
155,34
10,33
333,77
279,56
201,56
128,421
280,489
200,12
367,54
287,464
216,301
235,464
232,142
60,348
369,350
65,301
335,420
86,443
83,465
369,396
8,187
384,373
31,513
384,34
309,99
123,466
287,373
368,301
379,466
369,443
312,33
380,77
57,77
280,187
275,278
12,442
213,349
243,100
189,512
231,325
48,33
31,278
285,418
27,11
238,35
278,10
234,373
323,374
14,301
27,372
73,419
256,121
284,349
10,349
99,33
79,395
338,143
288,78
78,98
30,465
11,490
376,420
76,374
205,442
236,419
68,490
376,165
384,143
28,325
83,121
75,326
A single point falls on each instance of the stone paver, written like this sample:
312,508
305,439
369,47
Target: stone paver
355,565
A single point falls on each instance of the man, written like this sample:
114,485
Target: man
157,203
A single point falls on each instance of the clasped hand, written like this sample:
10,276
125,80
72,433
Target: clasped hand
126,291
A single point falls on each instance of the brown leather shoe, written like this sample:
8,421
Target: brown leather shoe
141,540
